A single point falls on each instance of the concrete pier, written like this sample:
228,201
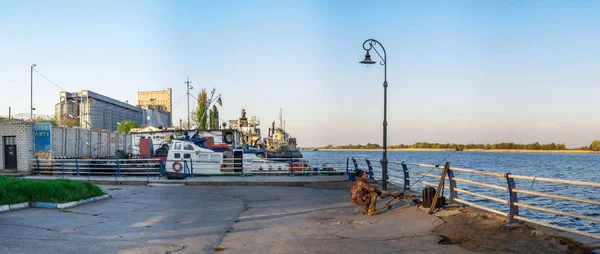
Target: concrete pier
166,218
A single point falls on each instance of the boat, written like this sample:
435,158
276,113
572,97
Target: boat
279,143
191,155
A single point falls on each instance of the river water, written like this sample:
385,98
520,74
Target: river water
579,167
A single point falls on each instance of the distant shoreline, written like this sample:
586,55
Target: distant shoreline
466,150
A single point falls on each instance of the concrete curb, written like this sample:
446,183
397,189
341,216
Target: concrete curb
20,206
15,207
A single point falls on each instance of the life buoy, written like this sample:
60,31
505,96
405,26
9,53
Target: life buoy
177,166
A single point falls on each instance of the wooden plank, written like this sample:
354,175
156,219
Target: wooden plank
440,187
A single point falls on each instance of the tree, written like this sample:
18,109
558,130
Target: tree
214,118
201,114
125,126
595,146
51,120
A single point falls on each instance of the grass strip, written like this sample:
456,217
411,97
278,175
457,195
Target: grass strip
18,190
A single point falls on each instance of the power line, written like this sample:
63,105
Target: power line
49,80
179,100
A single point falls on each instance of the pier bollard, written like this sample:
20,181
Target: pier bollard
406,176
513,209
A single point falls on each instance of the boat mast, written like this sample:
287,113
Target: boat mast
280,118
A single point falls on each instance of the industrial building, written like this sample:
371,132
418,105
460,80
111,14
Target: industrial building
153,117
161,101
95,111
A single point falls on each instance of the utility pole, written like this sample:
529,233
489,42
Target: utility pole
31,105
188,82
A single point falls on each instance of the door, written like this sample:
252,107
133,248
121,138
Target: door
10,152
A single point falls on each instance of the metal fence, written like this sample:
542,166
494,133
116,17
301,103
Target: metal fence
464,183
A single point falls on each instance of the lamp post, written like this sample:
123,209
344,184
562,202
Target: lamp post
367,46
31,104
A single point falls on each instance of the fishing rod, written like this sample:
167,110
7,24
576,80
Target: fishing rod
436,166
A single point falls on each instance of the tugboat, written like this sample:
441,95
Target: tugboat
279,143
249,132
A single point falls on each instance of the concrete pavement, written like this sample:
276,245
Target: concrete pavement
239,219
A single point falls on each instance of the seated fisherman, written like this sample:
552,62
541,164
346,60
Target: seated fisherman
363,194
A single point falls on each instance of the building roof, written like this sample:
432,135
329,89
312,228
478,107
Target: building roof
100,97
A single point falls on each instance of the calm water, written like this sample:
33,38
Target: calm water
580,167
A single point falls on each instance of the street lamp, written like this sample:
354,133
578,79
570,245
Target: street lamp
367,46
31,109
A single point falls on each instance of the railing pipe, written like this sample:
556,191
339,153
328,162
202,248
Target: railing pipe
582,200
191,168
478,172
77,166
499,200
585,217
160,169
118,169
37,161
481,184
186,169
550,180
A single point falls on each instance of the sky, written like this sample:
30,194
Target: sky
458,71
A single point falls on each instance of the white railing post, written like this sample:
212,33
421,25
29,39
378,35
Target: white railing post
453,193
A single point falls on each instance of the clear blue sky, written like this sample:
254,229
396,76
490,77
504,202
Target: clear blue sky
459,71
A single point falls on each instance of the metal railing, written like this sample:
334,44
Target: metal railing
503,185
155,167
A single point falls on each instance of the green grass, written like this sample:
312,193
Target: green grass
17,190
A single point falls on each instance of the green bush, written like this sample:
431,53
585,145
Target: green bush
17,190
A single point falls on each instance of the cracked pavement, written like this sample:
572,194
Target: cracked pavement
238,219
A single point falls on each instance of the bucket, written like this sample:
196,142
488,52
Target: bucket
351,176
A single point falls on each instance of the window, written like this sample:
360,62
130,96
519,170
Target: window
187,156
178,146
189,147
177,155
